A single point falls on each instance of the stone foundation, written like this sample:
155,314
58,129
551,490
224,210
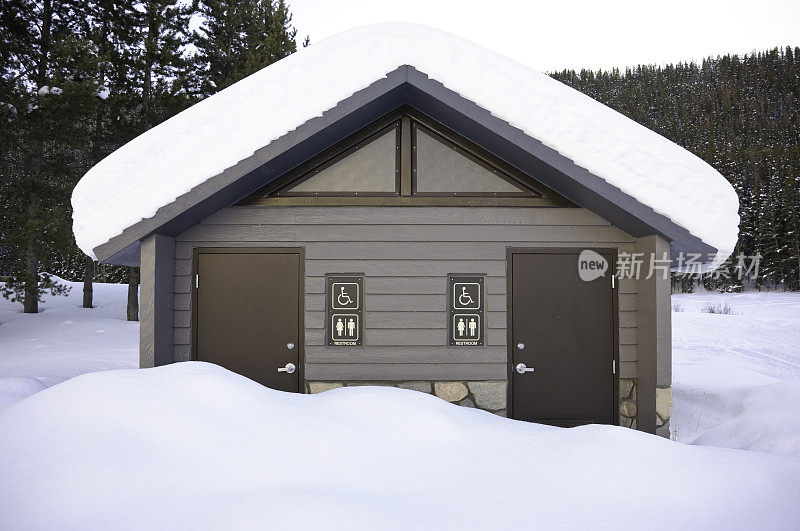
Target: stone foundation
663,409
627,402
487,395
491,396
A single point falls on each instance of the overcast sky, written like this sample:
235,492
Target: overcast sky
575,33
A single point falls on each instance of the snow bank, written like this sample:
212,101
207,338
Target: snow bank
736,378
764,418
194,446
154,169
14,389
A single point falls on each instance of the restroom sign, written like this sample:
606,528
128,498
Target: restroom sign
345,327
466,310
344,309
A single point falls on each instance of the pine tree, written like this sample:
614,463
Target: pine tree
158,70
110,30
46,89
239,38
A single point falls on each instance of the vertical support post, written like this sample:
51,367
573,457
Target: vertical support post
156,320
405,157
654,333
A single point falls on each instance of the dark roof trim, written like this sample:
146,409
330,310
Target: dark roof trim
550,167
403,86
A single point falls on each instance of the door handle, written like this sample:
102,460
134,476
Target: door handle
289,368
521,368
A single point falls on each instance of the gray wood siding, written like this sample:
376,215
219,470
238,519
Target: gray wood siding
405,253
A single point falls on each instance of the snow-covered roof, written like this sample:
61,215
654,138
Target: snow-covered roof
156,168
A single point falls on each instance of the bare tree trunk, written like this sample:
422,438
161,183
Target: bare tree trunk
88,277
88,272
30,304
133,294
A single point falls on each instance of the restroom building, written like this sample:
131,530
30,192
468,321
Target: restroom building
397,206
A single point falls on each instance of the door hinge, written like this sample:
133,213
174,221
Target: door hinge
197,281
613,366
613,281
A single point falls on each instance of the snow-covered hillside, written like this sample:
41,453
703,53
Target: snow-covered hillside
64,340
194,446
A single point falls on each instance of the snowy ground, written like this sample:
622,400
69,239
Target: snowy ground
64,340
113,449
736,378
192,446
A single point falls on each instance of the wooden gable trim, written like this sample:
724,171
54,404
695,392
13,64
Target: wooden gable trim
406,120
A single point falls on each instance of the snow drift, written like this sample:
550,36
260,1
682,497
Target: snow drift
736,378
154,169
14,389
764,419
194,446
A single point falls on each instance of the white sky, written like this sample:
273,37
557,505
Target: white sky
576,33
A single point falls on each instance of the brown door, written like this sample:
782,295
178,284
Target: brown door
248,304
562,327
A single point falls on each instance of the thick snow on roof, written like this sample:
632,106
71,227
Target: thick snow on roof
155,168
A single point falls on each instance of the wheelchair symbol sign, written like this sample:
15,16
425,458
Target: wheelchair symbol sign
344,296
466,296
